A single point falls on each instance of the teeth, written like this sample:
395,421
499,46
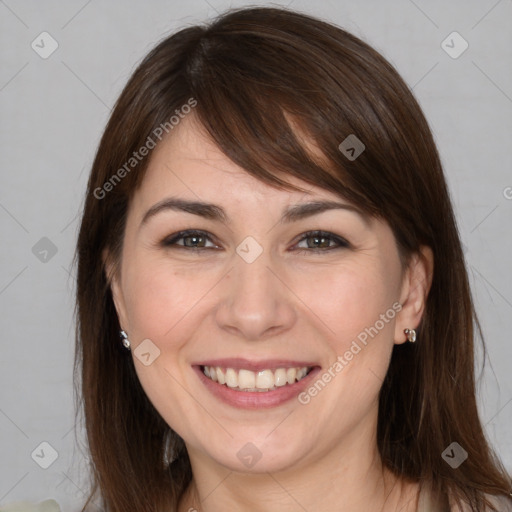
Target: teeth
291,373
247,380
265,379
231,378
302,373
280,377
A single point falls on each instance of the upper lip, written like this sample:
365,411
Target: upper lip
239,363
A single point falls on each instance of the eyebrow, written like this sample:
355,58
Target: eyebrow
216,213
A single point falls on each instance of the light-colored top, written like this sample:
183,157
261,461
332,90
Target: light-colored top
26,506
425,504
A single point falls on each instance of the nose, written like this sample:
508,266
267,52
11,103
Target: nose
256,302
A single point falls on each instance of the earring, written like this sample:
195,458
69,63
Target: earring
125,340
411,335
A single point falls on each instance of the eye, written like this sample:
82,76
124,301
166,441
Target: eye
189,239
321,241
315,241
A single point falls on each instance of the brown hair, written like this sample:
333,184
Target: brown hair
258,76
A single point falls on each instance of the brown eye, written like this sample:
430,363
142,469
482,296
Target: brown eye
189,239
322,241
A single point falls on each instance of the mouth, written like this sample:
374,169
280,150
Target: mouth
255,381
248,384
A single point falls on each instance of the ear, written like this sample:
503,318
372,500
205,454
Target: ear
414,291
112,276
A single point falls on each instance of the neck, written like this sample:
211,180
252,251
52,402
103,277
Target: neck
350,477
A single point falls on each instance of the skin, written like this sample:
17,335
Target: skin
290,303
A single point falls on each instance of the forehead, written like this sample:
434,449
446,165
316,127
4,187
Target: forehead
188,163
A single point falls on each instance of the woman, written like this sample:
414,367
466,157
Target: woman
273,308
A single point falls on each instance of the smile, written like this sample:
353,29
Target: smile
255,384
255,381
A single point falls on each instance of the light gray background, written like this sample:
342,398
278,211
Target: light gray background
53,112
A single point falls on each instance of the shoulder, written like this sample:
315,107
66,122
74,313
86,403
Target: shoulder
430,502
27,506
500,503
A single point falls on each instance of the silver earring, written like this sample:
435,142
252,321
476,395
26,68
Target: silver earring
411,335
125,340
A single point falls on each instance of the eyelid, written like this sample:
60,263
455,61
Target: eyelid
342,242
170,241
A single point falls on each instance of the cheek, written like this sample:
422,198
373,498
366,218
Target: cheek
160,298
352,303
357,307
160,307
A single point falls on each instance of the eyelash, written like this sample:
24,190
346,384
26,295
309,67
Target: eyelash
173,239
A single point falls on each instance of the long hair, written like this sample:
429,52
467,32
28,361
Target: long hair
261,80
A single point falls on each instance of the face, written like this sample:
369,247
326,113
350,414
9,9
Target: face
261,328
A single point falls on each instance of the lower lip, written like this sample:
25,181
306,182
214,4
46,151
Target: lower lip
256,399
